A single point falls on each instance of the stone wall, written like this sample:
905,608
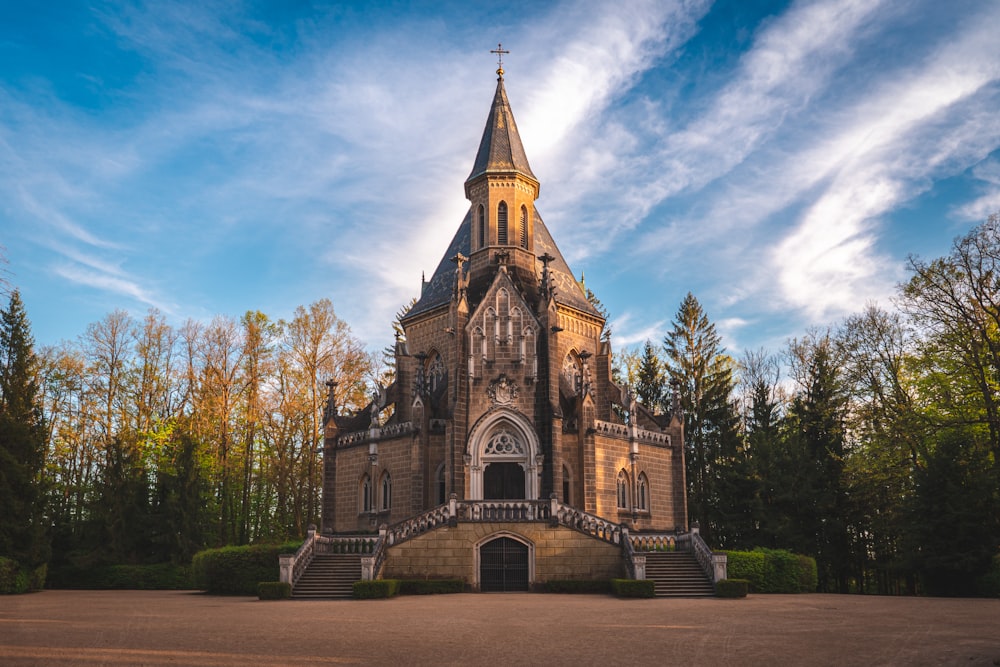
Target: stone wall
450,553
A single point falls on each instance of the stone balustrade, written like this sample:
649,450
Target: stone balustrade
375,434
654,542
373,548
626,432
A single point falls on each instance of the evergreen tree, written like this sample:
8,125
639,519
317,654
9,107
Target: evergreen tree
954,515
819,499
704,375
23,535
650,383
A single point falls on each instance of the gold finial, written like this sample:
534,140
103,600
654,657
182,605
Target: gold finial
499,51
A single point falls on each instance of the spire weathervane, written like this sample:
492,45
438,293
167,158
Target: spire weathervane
500,51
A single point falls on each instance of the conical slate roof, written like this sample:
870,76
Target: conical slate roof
500,148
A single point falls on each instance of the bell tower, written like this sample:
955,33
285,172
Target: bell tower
503,190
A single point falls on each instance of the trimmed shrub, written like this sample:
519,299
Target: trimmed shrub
732,588
808,576
747,565
430,586
274,590
238,570
781,571
15,579
38,576
634,588
578,586
375,589
773,570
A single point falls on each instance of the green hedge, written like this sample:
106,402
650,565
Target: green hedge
732,588
15,579
634,588
578,586
773,570
808,576
747,565
274,590
430,586
238,570
376,588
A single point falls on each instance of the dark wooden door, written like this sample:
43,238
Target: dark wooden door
503,565
503,481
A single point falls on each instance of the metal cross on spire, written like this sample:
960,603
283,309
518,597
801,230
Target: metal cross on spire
500,51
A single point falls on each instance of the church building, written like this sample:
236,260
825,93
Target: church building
503,454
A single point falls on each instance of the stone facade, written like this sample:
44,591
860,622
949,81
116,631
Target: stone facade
559,553
503,390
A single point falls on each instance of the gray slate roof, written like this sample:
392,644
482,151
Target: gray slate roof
439,289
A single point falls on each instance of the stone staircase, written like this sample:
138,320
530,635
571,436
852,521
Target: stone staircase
328,576
677,574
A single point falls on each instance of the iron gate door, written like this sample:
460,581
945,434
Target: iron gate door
503,565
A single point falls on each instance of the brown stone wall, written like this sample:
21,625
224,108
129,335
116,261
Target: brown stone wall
560,553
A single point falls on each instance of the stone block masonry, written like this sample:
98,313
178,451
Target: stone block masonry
557,552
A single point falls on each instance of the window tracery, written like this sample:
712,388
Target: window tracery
504,443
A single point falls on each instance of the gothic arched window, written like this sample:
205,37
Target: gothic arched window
385,500
481,227
524,227
642,493
365,494
502,223
622,490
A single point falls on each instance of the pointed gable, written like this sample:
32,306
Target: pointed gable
439,289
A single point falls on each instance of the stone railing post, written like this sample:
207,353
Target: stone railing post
720,566
367,568
286,563
453,510
639,566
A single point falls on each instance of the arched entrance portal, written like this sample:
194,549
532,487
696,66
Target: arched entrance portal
504,565
503,458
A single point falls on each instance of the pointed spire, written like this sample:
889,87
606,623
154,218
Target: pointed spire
500,149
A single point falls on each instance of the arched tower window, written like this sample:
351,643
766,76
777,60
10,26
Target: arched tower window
365,494
622,490
642,493
502,223
440,485
481,227
385,495
567,486
524,227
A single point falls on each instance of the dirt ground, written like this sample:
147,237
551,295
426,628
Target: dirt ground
184,628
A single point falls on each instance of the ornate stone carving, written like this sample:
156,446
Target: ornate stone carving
502,391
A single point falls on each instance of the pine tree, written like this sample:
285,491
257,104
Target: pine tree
818,413
650,382
22,442
704,374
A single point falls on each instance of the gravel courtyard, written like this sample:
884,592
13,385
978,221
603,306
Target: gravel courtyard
185,628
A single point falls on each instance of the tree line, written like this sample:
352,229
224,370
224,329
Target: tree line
873,446
150,442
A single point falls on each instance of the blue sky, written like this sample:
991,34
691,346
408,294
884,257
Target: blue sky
779,160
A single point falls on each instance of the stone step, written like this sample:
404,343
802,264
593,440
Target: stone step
677,574
329,576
